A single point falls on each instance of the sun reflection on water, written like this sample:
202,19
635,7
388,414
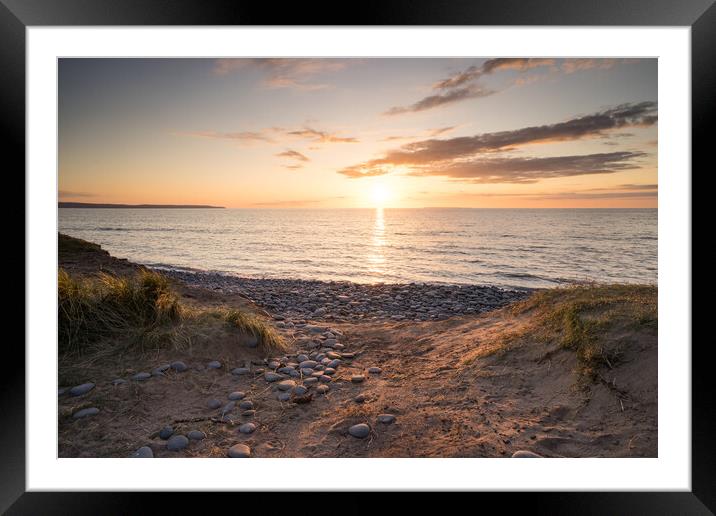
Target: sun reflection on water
376,258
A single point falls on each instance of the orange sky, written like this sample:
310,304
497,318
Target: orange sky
322,133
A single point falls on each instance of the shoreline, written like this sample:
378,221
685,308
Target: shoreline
345,301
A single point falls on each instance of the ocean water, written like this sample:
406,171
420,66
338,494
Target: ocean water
503,247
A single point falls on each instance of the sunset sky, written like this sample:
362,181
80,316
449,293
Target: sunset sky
333,133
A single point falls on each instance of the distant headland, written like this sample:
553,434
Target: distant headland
102,205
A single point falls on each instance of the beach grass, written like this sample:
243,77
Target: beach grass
143,311
595,321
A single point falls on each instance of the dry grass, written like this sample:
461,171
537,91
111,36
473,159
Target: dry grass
107,313
595,321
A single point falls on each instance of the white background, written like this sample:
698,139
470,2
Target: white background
672,468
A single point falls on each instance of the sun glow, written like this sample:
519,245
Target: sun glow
380,195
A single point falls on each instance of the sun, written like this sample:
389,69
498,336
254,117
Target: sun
379,194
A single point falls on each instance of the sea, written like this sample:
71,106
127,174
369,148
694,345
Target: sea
510,248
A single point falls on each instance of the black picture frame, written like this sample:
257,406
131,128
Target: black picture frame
700,15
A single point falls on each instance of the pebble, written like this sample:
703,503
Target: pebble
240,370
214,365
375,370
525,454
299,299
360,398
322,389
286,385
357,378
79,390
237,395
272,377
283,396
300,390
308,364
246,405
274,365
310,381
119,381
329,371
228,407
360,430
386,419
196,435
177,442
333,364
166,432
179,366
325,379
333,355
85,412
302,358
295,374
239,451
247,428
145,452
249,413
251,341
213,404
140,377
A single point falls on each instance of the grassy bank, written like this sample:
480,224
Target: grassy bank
107,312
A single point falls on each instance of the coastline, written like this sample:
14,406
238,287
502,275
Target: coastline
343,301
495,383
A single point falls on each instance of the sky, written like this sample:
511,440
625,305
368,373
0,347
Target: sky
359,132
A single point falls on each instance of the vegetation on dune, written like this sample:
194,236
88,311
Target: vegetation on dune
594,321
144,311
597,322
69,245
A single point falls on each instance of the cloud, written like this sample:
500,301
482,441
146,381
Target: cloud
283,72
449,97
320,136
242,136
531,170
64,194
441,130
292,167
293,155
438,153
464,84
298,202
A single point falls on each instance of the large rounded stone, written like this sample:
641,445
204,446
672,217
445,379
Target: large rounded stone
213,404
247,428
177,442
79,390
375,370
300,390
214,364
360,430
239,451
166,432
241,371
246,405
272,377
286,385
145,452
525,454
119,381
196,435
179,366
140,377
237,395
283,396
386,419
357,378
322,389
91,411
308,364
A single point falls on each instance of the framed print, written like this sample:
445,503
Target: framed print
396,251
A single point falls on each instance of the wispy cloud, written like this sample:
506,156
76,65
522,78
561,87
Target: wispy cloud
439,99
293,155
436,154
531,170
320,136
284,72
65,194
242,136
464,84
480,158
298,202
